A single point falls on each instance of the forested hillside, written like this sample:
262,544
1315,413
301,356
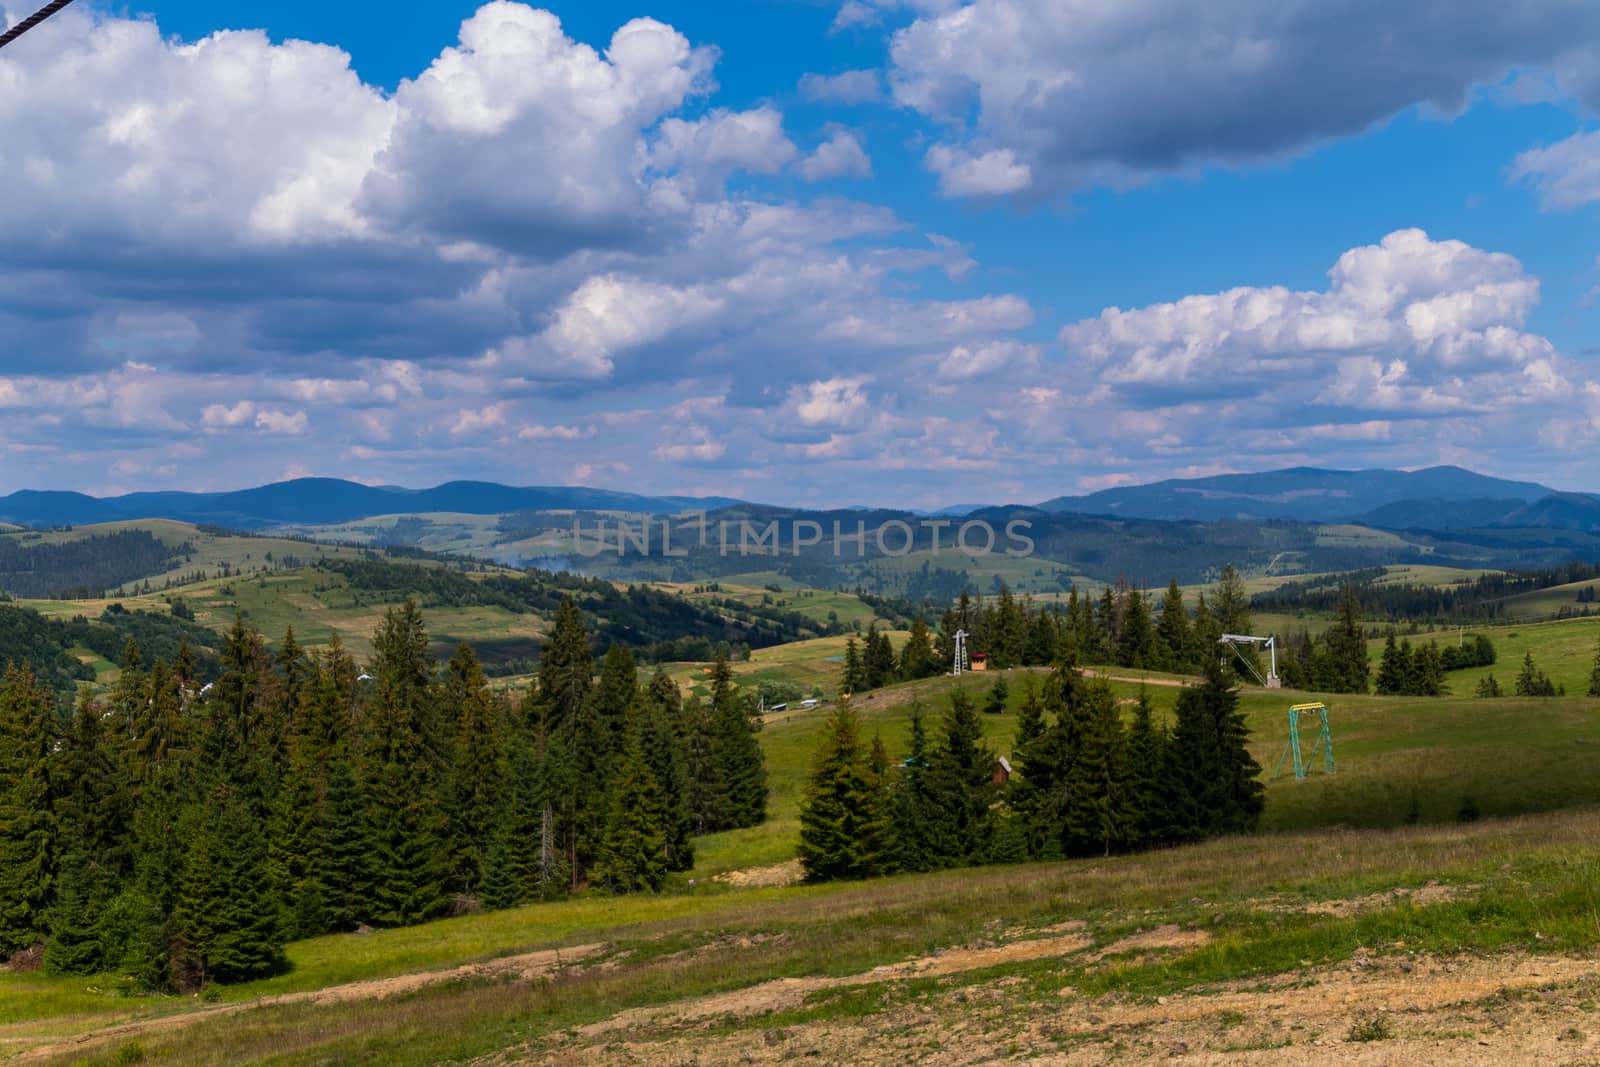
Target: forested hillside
1469,600
655,623
45,645
180,834
33,568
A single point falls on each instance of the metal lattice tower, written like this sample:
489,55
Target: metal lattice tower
961,664
1324,741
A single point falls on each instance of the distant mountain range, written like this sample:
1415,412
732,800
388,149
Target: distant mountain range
1438,498
322,501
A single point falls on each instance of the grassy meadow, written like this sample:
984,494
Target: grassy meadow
1497,801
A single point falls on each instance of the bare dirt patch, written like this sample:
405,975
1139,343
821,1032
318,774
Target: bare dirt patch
1422,896
787,994
779,874
1449,1012
1162,938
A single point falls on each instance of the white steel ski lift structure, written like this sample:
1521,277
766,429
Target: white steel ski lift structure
1232,642
961,664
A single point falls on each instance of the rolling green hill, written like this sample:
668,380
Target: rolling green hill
1336,875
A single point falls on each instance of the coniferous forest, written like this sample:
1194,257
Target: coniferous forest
181,833
1082,781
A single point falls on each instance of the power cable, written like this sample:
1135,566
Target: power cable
31,21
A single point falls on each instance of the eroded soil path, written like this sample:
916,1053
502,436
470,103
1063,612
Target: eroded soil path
1414,1010
528,966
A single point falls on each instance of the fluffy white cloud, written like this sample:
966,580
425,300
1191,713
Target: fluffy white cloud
221,416
834,402
709,148
1566,174
290,423
521,137
478,420
605,315
1409,309
840,156
968,362
122,133
1086,91
993,173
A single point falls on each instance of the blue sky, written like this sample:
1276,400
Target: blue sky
888,251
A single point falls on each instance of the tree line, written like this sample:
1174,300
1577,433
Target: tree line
180,834
32,568
1477,600
1082,781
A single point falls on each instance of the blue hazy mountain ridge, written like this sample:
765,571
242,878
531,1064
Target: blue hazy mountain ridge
1304,494
1438,498
1558,511
321,501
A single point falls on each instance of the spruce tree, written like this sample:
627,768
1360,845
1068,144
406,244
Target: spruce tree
504,883
913,805
1095,808
663,750
961,778
1594,673
1429,667
1044,637
708,795
995,704
1346,644
1147,817
74,946
1138,644
1217,780
916,658
566,666
840,813
400,771
474,789
877,659
29,841
737,761
854,678
224,925
632,855
1174,639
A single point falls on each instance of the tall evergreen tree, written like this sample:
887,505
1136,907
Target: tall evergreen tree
708,796
400,772
854,679
1143,788
1094,805
633,850
737,761
29,842
1346,643
877,659
841,815
224,925
913,805
663,750
475,779
1174,638
566,665
916,658
1594,672
1218,784
961,778
1137,646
